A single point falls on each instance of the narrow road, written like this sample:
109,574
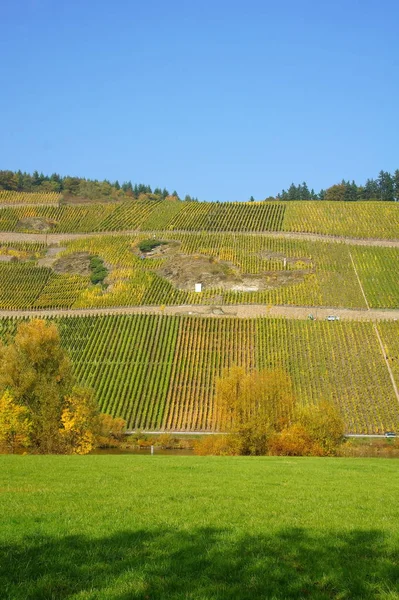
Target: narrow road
57,238
239,310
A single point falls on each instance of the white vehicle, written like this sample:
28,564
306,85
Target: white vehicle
332,318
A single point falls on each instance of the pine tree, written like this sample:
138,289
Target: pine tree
386,186
293,192
396,185
304,192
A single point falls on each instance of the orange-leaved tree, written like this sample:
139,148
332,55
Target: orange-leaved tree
317,431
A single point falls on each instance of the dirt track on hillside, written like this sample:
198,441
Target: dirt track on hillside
241,311
56,238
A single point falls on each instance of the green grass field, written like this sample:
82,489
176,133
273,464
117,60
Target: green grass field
130,527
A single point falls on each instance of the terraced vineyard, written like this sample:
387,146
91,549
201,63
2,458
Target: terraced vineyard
229,216
378,269
243,269
57,219
352,219
356,219
159,372
13,198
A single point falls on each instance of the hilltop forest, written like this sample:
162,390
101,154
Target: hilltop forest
384,188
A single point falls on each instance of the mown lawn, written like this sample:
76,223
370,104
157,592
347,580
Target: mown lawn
158,527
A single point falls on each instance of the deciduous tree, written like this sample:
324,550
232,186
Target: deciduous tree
78,418
324,423
15,425
250,405
37,372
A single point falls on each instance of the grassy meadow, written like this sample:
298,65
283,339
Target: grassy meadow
156,527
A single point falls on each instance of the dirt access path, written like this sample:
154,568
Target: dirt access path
242,311
57,238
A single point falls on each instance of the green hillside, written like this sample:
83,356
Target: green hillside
158,372
367,219
233,269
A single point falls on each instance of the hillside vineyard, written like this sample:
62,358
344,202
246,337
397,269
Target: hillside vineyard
158,371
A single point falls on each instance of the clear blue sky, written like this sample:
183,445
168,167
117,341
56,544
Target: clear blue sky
218,99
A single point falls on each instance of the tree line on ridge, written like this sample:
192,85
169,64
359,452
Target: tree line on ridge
383,188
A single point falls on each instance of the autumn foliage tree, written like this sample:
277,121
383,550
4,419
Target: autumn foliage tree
36,373
258,413
324,423
78,421
15,424
316,431
251,405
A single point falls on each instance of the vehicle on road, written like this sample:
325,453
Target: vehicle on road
390,434
332,318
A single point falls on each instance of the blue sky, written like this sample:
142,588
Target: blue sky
218,99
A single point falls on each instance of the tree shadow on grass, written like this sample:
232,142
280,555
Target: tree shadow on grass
204,564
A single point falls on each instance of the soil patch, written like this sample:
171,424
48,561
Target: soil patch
74,264
36,224
184,271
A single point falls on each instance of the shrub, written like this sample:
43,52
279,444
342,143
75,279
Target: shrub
98,270
218,445
324,424
294,441
111,431
148,245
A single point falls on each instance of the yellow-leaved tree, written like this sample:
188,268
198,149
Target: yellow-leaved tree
251,405
15,425
79,422
36,371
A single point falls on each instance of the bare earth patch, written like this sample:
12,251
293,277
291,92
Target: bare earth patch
184,271
74,264
36,224
269,280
